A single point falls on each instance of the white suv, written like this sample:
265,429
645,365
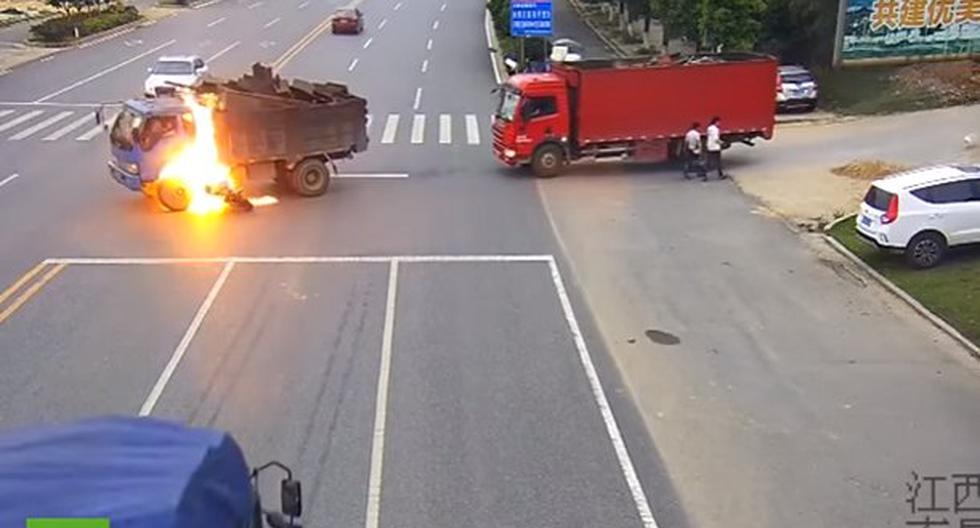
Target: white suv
923,212
170,72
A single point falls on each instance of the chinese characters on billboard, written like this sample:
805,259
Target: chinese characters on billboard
897,30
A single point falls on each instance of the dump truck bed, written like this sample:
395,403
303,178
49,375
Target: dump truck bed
639,99
260,118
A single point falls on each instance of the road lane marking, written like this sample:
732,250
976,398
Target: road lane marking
425,65
30,292
428,45
373,516
5,181
96,130
55,105
57,134
418,129
207,4
443,8
472,130
110,69
303,5
435,25
398,6
363,259
445,129
608,418
487,28
368,43
272,22
226,49
256,4
13,288
108,37
4,113
353,64
216,22
185,342
383,23
373,176
30,131
391,128
18,120
418,99
300,45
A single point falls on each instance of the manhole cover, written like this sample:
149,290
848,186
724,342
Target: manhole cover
662,338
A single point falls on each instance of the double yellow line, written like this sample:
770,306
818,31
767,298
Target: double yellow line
295,49
27,285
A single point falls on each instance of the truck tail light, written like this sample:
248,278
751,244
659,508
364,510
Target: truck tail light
892,213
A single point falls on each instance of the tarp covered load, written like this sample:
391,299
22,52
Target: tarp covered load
138,472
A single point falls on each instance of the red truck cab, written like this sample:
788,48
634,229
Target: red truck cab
630,108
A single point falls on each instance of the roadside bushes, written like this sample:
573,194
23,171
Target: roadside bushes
62,29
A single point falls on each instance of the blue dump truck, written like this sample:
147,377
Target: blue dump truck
137,473
264,128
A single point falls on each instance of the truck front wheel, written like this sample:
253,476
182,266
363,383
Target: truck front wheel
310,178
173,195
547,161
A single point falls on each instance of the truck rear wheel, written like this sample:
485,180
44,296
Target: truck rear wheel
173,195
310,178
547,161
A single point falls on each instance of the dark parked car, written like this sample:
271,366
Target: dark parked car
348,21
797,89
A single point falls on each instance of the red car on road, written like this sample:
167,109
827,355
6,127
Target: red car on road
348,21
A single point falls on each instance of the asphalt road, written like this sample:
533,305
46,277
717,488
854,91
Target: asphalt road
470,363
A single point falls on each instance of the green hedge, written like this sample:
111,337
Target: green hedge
62,29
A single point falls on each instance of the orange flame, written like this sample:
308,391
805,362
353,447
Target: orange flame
197,166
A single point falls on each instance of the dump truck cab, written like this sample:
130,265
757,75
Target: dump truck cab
533,111
143,136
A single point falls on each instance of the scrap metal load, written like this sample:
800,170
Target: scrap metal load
262,118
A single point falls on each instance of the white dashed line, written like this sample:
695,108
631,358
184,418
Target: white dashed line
398,6
425,65
9,179
353,64
428,45
443,8
216,22
445,129
256,4
228,48
418,129
383,23
418,99
435,25
303,5
472,130
391,128
368,43
271,23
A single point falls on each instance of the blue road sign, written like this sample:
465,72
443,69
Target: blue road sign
530,18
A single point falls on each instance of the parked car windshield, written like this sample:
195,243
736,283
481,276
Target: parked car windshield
173,68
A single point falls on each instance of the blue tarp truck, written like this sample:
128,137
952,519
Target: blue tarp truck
265,129
137,473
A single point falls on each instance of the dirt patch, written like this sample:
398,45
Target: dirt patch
868,170
954,83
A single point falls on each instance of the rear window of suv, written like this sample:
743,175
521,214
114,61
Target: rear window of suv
878,198
796,78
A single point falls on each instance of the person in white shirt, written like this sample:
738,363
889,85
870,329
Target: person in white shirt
692,152
714,147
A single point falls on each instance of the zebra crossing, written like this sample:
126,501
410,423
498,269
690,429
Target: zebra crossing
49,124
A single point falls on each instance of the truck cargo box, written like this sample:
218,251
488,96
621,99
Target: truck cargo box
639,99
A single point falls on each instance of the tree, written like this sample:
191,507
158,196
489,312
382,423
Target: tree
730,24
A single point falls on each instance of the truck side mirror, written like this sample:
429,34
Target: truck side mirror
291,495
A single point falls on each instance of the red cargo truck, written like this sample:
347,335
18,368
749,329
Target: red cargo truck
631,109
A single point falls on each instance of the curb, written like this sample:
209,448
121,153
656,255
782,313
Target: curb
499,70
613,46
936,321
